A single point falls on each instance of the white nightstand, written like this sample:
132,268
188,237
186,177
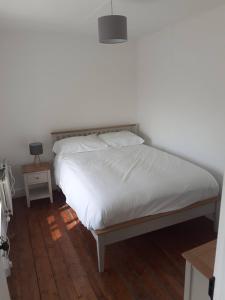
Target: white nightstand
37,179
199,270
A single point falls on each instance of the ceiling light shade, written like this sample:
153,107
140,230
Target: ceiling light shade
112,29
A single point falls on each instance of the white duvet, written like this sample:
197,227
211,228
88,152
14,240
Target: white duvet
111,186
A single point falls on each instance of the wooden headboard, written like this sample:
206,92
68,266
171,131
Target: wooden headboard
59,135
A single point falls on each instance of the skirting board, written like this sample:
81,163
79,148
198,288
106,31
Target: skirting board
19,192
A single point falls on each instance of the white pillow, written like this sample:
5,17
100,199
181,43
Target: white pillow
79,144
121,138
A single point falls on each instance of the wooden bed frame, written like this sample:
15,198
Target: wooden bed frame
142,225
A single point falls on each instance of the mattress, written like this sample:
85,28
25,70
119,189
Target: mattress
115,185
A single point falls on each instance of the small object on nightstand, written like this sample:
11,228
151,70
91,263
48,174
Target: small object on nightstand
36,149
37,179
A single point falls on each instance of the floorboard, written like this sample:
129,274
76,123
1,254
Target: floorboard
54,257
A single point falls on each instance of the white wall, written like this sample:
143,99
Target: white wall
51,81
219,269
181,89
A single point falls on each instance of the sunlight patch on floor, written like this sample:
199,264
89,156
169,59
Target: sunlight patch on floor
63,207
51,220
56,234
54,229
69,218
71,225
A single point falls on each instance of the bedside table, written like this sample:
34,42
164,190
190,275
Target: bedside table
199,269
37,179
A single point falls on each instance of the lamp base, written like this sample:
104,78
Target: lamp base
37,160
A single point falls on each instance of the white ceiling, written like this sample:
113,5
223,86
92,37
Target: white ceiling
80,16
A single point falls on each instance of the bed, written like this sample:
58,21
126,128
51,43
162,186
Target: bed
119,193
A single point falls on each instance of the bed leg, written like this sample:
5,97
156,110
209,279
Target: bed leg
101,254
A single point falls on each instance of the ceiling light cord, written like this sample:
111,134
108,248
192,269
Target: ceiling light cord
111,7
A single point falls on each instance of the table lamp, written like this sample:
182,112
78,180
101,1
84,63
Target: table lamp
36,149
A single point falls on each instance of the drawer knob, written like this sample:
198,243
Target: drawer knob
36,177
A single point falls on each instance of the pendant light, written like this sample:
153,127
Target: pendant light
112,29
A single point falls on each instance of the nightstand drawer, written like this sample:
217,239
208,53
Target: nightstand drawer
37,177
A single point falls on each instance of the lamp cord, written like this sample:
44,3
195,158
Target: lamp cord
111,7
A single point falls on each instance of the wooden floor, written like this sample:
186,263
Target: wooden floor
54,257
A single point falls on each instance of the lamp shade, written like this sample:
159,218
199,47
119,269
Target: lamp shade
112,29
36,148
